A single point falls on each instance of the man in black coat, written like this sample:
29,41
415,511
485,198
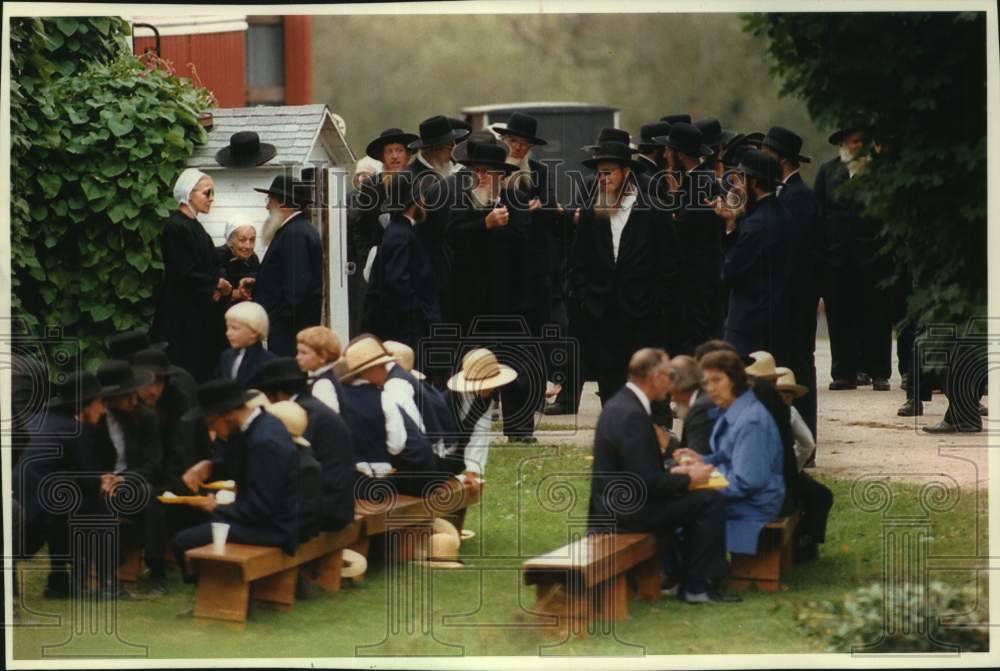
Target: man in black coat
757,265
290,280
624,270
690,189
125,346
266,511
694,407
631,491
282,380
806,255
857,309
402,301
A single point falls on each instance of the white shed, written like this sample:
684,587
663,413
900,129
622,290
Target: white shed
305,136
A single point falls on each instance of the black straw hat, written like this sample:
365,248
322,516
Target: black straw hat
388,136
459,124
838,135
154,361
686,139
216,396
712,133
287,191
611,151
756,163
648,134
785,143
479,153
119,378
610,135
435,131
124,345
281,372
76,390
675,118
245,150
522,125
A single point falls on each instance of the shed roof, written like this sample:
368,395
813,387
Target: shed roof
552,107
294,130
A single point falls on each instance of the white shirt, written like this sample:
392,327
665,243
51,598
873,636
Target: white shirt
323,389
804,443
618,220
236,363
117,434
254,414
478,449
642,397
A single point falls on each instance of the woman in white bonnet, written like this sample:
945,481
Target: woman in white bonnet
189,314
237,259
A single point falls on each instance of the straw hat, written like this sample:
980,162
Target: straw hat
480,371
762,366
404,356
786,382
294,417
364,352
355,564
444,544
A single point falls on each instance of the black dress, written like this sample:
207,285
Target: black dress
186,317
234,268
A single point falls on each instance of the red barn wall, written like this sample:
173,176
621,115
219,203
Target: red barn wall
219,61
298,60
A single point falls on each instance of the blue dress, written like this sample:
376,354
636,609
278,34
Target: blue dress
746,448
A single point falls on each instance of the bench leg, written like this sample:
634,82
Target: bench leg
325,571
762,569
611,599
132,566
278,588
407,540
221,593
647,579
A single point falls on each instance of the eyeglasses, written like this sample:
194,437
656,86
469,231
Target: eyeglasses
208,193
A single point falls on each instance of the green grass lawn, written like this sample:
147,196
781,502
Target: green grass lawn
535,499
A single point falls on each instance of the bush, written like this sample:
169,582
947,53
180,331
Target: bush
98,138
904,618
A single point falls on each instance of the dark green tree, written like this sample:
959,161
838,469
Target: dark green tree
916,84
98,137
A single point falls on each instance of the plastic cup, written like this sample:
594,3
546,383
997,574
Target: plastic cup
220,530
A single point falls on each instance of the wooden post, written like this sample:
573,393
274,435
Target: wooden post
222,594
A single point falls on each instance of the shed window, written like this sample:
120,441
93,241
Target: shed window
265,48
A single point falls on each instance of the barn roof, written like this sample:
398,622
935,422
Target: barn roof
294,130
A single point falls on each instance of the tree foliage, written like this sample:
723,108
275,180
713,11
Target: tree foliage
98,138
915,83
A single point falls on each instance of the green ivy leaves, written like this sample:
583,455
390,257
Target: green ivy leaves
97,141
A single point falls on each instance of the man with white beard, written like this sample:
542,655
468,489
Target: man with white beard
290,280
433,160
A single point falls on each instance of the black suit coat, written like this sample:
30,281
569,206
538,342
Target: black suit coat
782,414
806,247
627,465
331,444
143,448
641,284
847,236
246,375
290,279
698,425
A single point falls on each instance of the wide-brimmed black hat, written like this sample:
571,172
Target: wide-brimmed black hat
124,345
712,132
154,361
838,135
756,163
76,390
459,124
611,135
119,378
675,118
288,191
785,143
522,125
649,131
611,151
479,153
245,150
753,138
685,138
217,396
280,372
388,136
435,131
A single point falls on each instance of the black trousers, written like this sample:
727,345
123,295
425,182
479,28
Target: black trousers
609,343
860,320
282,330
815,502
803,319
964,383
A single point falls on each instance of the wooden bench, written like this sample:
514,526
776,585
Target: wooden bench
227,581
593,577
775,548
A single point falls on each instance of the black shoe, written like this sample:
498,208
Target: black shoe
526,440
712,597
806,553
880,384
911,408
983,410
840,385
53,592
156,585
555,409
948,427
